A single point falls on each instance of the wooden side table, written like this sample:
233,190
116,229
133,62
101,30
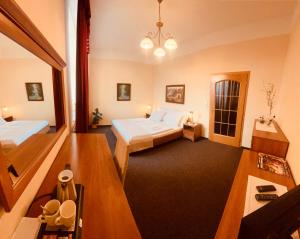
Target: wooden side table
9,118
275,144
147,115
192,131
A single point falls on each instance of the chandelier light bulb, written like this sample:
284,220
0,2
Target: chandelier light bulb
155,38
146,43
159,52
171,44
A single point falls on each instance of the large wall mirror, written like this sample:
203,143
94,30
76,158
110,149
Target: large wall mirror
32,112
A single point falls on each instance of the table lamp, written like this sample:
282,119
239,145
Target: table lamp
4,111
149,108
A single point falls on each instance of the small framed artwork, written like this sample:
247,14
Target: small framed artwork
123,92
34,91
175,94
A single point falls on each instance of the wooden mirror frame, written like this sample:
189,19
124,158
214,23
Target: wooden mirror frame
15,24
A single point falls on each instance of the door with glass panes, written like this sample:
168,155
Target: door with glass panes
228,92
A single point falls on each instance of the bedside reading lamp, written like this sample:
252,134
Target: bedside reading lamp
149,108
4,112
191,117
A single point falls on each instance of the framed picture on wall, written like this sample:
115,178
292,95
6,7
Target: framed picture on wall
175,94
34,91
123,92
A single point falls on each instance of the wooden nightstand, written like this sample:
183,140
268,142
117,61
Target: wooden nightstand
147,115
9,118
192,131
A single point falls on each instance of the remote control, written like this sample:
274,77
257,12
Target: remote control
266,197
265,188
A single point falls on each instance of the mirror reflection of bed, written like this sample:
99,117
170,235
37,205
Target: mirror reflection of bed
26,103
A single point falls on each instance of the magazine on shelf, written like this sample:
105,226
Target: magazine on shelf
273,164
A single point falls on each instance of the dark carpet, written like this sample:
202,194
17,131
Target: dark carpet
179,189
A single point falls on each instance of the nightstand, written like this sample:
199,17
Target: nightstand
147,115
9,118
192,131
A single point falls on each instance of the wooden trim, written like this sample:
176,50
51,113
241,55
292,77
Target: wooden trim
8,28
58,89
167,138
123,149
121,154
15,14
6,189
243,78
16,25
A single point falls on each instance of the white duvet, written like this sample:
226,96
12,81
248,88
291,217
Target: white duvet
16,132
139,128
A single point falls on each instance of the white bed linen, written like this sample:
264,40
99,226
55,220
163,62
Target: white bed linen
16,132
140,129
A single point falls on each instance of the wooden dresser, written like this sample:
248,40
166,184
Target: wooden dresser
270,143
106,213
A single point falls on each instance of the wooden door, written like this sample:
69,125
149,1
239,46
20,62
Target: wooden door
228,92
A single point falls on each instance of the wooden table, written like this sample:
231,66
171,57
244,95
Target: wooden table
230,223
106,213
192,131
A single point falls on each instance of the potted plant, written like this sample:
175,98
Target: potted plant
97,116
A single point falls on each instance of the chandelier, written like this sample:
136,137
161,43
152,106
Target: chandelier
151,37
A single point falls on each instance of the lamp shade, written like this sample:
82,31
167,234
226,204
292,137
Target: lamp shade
4,111
159,52
171,44
146,43
148,109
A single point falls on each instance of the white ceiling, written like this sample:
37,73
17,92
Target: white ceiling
117,26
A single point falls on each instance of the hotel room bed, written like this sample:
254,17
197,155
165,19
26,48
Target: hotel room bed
14,133
138,134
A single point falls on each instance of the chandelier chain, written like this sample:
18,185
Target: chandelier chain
158,35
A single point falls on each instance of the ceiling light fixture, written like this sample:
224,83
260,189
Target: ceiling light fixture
147,42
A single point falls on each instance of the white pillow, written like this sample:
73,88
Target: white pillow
174,118
157,116
2,121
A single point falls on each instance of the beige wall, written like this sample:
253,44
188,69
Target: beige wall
289,116
48,15
104,76
263,57
14,74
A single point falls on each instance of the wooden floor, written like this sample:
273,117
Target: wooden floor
106,213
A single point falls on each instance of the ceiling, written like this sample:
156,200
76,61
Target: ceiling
117,26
